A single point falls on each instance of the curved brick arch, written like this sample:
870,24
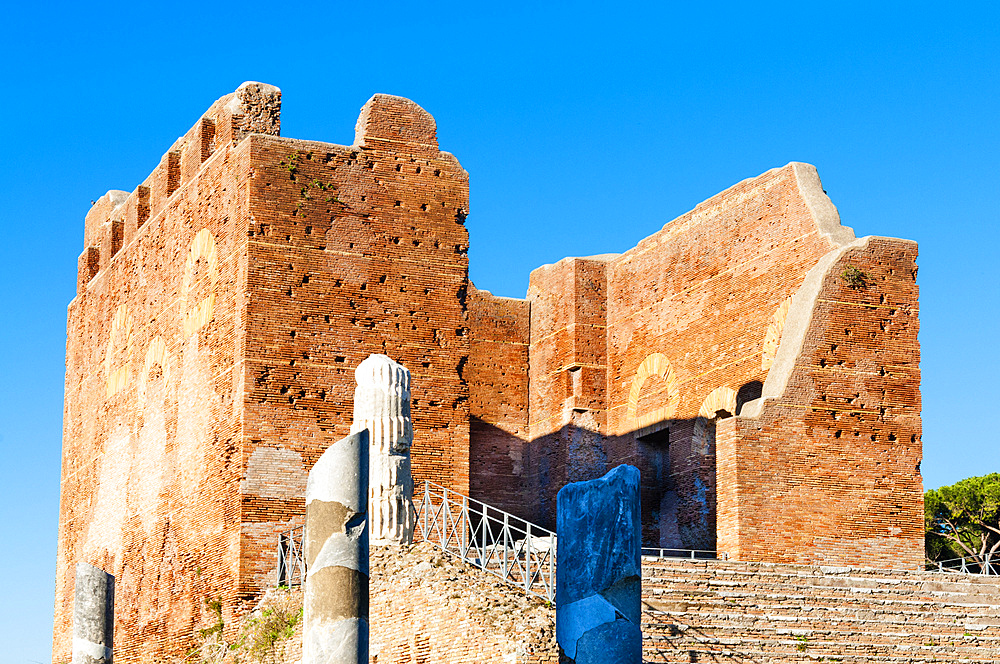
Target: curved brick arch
721,398
655,364
772,338
157,354
120,339
202,248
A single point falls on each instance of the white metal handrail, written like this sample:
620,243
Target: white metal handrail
987,564
517,551
692,554
291,561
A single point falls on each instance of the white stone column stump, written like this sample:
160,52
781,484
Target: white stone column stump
335,606
93,615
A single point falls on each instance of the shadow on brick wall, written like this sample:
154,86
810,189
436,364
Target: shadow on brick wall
676,463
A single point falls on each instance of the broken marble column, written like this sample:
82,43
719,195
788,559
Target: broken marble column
382,405
335,606
598,581
93,615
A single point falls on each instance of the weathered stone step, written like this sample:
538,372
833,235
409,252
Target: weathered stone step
670,627
930,590
932,581
828,623
785,614
986,589
687,654
783,568
749,602
785,611
949,597
731,649
822,594
735,566
758,606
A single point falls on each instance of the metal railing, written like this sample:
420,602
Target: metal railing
987,564
517,551
291,559
692,554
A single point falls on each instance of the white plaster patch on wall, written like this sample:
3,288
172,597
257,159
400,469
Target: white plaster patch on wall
119,351
198,314
274,472
105,530
194,419
150,471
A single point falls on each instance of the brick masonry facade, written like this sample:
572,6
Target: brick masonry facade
646,357
756,362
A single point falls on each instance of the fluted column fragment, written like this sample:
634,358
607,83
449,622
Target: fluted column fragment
335,612
382,405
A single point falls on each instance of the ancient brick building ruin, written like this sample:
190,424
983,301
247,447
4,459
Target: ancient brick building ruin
756,304
757,362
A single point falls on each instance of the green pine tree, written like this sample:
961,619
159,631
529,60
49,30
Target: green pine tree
963,520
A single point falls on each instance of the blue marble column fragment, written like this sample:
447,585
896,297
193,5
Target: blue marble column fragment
598,580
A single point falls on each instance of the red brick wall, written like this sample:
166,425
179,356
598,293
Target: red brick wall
636,358
502,469
701,294
829,470
567,375
352,251
246,283
151,463
224,303
624,346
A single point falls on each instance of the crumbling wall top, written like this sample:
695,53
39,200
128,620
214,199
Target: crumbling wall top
390,119
253,108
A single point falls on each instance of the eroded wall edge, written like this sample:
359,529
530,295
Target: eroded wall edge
823,210
800,315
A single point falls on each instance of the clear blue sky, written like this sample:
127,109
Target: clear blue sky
584,127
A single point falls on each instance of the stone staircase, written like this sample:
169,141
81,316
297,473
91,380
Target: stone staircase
761,613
